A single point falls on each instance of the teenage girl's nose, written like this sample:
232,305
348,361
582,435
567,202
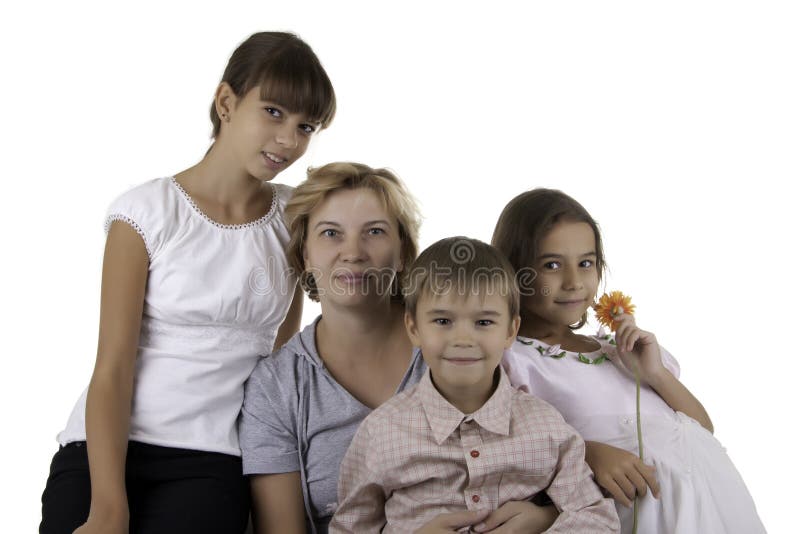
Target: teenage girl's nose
287,135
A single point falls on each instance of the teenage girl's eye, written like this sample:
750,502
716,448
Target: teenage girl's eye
275,112
586,264
307,129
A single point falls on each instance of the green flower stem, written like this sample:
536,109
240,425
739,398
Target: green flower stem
641,449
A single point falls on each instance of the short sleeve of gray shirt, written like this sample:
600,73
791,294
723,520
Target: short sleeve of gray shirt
296,417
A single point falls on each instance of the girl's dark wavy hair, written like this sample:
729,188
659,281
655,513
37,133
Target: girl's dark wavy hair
525,221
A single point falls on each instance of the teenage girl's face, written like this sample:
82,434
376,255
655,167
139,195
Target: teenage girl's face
566,275
353,248
264,136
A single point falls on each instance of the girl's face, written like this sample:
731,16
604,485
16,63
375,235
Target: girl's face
264,137
353,248
566,275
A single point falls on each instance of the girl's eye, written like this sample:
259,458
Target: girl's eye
441,321
586,264
275,112
485,322
551,265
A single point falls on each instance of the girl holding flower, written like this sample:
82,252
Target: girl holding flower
556,249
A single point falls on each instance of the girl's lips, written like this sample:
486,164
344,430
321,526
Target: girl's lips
462,361
271,163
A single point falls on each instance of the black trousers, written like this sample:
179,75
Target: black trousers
170,491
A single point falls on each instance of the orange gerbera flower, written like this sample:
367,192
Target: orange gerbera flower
610,305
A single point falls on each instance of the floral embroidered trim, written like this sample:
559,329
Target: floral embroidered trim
555,352
124,218
258,222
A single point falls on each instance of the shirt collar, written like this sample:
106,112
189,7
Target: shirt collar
444,418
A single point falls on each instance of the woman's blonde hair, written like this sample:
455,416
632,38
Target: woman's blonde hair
321,183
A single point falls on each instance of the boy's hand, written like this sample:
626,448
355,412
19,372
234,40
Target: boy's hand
453,522
518,516
637,348
621,473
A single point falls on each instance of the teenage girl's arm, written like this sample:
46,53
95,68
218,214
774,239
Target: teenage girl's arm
637,347
278,504
291,324
108,403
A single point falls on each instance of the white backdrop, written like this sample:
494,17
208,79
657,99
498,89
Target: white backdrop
677,124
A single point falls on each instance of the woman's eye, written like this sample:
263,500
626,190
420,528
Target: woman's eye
376,231
330,232
275,112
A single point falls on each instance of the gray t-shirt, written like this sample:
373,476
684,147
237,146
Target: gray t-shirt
296,417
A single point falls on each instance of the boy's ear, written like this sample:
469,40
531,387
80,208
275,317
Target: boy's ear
411,328
513,329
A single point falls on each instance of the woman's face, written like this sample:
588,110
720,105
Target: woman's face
353,248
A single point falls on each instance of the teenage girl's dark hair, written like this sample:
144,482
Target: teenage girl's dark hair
288,73
526,219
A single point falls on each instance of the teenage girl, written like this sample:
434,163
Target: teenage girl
196,285
555,247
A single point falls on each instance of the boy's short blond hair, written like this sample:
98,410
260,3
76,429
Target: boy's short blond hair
328,179
468,266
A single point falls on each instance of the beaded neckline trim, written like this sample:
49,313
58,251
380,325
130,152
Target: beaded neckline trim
258,222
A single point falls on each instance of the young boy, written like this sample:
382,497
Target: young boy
463,438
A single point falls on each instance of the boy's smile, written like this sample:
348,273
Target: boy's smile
462,338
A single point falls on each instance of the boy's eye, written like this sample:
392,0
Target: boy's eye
441,321
275,112
484,322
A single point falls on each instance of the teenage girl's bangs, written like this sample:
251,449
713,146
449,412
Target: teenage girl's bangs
291,79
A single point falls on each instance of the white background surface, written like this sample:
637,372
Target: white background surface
676,124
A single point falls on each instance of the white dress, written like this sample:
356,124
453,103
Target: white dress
216,295
701,490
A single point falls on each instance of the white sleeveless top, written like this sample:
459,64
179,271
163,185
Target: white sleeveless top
216,295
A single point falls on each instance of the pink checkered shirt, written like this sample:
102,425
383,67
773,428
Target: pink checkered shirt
417,456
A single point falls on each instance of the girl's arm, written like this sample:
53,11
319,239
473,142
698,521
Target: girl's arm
620,473
278,504
108,402
291,324
639,348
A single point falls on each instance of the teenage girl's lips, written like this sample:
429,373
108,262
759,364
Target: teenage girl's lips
274,161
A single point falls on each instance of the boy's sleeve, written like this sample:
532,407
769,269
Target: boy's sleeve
582,508
361,494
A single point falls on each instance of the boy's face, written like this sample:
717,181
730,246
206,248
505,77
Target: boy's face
462,338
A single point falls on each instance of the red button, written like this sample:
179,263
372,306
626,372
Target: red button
474,454
476,498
